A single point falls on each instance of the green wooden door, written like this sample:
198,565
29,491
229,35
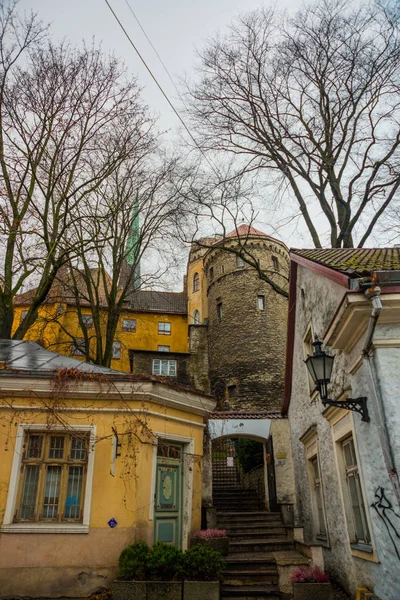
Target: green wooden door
168,497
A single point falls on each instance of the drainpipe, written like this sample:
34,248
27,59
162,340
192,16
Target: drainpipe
373,294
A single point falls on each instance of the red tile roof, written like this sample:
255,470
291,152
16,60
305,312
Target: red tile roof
244,230
354,262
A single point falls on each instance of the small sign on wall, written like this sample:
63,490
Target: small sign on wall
281,455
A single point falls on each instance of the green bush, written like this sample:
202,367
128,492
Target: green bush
203,563
133,561
165,563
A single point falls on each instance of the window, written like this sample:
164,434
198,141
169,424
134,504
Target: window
196,282
318,498
222,269
359,530
196,317
23,315
239,261
164,329
52,479
163,348
211,273
87,320
275,263
233,391
116,351
260,300
164,367
79,347
219,311
129,325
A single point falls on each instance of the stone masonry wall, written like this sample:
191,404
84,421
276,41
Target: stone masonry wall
247,345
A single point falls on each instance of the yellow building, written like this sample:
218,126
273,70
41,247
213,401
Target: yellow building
91,459
152,322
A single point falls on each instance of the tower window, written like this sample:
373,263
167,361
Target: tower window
196,282
233,391
211,273
239,261
261,302
275,263
196,317
219,311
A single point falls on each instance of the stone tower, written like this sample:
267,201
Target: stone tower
246,319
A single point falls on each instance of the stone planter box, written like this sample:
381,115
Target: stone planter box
165,590
312,591
201,590
146,590
221,544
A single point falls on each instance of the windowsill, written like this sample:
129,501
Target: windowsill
363,551
45,528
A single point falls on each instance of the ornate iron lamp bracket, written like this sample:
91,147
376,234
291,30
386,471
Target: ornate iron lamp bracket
356,405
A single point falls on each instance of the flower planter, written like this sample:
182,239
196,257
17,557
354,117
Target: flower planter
221,544
164,590
201,590
312,591
128,590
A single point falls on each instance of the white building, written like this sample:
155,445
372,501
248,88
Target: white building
346,469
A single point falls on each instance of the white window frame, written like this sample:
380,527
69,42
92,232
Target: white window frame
261,302
196,317
239,261
116,350
310,441
129,329
78,347
342,427
87,319
8,525
161,328
163,348
170,363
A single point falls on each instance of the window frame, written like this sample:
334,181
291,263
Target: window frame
164,331
211,274
196,282
76,349
161,346
353,473
220,311
196,317
9,525
261,302
275,263
169,362
86,318
320,530
116,350
239,261
129,329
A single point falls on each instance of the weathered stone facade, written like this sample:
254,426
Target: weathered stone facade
247,323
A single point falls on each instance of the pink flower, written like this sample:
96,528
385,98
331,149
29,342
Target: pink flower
206,534
309,575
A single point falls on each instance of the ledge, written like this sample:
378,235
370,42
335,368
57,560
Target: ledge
44,528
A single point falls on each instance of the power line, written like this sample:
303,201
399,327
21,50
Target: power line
160,88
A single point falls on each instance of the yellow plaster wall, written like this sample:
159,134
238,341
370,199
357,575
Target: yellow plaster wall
197,300
125,497
55,331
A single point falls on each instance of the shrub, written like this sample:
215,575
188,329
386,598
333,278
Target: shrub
203,563
309,575
205,534
133,560
165,563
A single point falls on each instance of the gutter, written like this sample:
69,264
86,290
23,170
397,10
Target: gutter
373,294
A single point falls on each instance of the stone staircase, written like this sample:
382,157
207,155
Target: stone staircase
259,544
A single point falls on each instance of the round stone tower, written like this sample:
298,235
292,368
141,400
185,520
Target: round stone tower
247,321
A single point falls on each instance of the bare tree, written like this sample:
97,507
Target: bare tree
311,104
135,212
68,119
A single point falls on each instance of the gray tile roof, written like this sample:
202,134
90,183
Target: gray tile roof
24,356
354,262
175,302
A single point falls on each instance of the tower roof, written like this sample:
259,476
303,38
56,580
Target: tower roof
244,230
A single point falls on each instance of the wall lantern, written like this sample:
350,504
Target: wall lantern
320,367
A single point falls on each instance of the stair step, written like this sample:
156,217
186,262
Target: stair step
251,577
278,532
250,558
243,591
254,545
268,527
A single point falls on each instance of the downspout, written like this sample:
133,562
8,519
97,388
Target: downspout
373,294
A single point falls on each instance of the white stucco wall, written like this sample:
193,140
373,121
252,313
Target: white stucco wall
317,299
